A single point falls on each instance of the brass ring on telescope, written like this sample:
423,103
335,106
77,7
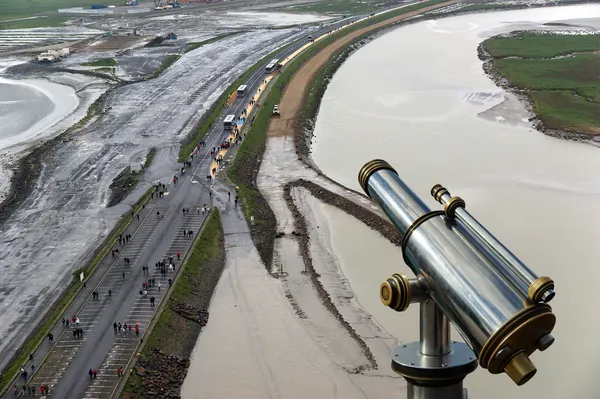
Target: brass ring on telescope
437,191
451,206
395,292
538,287
369,168
418,221
517,338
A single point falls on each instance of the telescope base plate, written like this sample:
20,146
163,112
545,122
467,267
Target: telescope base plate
424,370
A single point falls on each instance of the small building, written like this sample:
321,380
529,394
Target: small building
241,91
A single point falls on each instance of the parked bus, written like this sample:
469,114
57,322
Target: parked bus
228,122
241,91
271,66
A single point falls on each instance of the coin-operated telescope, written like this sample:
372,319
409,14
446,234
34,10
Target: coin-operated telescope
464,275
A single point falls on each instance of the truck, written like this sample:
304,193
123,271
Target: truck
54,55
98,6
132,3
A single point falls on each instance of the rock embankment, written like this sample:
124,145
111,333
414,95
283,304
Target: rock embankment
262,232
191,313
162,375
375,222
301,232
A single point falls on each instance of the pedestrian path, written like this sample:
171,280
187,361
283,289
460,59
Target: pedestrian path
68,344
142,311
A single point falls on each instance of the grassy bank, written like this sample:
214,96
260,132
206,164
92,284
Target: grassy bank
165,64
127,181
195,45
103,62
564,91
499,7
193,289
17,9
531,45
58,309
245,168
211,116
338,7
49,21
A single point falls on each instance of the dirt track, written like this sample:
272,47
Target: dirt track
293,97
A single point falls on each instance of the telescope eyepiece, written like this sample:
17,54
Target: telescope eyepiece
520,368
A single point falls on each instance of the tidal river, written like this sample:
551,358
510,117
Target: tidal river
418,98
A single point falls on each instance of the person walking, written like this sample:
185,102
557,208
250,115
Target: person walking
159,285
178,255
91,374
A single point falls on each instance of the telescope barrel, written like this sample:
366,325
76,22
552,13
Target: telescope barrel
516,272
500,327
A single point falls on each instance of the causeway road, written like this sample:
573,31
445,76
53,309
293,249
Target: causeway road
68,358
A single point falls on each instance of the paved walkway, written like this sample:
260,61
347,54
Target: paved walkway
141,312
63,343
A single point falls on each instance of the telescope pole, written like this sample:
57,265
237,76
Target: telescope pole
435,330
434,347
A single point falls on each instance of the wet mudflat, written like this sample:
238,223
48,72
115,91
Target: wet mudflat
62,221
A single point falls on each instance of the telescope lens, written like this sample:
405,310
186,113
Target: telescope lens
386,293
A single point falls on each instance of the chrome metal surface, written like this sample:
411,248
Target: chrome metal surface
418,293
548,295
464,284
509,266
454,391
408,361
435,330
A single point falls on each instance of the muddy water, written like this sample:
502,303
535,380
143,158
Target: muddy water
418,98
28,107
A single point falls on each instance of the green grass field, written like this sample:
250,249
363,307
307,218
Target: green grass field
49,21
339,7
10,9
566,90
165,64
527,45
103,62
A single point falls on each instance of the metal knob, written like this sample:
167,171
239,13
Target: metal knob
398,291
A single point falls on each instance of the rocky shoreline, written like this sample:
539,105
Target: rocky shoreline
162,375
